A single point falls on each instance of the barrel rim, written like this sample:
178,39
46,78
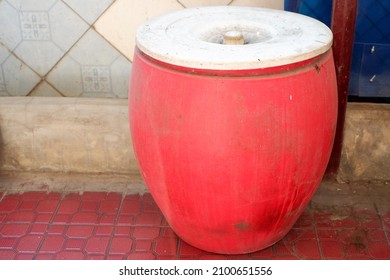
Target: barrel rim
284,38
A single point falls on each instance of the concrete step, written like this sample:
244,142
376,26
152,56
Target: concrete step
90,137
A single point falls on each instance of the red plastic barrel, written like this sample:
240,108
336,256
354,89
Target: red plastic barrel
232,141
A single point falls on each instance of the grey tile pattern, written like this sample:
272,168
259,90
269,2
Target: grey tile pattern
48,48
10,35
55,47
46,35
35,26
96,78
91,68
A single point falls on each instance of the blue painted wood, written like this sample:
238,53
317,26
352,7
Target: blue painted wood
370,71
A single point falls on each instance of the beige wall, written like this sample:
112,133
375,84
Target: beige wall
110,25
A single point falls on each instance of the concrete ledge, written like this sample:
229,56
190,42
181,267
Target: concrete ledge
91,136
366,146
76,135
70,182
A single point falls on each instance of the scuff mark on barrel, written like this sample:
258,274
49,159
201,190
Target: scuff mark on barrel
318,69
243,226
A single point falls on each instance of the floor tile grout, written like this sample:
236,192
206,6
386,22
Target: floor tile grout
383,227
47,228
295,245
317,236
114,227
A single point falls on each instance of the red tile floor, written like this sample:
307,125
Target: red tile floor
341,222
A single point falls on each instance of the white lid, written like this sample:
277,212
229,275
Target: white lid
194,38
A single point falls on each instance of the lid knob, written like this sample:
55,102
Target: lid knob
233,38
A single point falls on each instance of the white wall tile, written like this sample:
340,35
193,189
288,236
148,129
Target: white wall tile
32,5
46,90
274,4
40,56
10,34
3,86
37,35
4,53
45,30
65,77
119,23
89,10
16,79
92,49
197,3
66,26
120,73
91,68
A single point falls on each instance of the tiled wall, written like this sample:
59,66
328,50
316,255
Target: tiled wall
78,48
